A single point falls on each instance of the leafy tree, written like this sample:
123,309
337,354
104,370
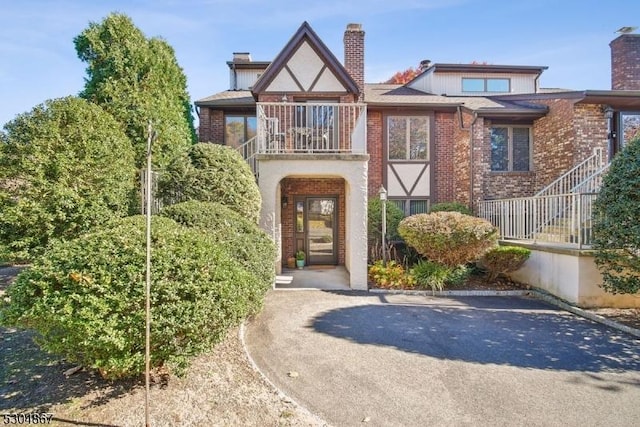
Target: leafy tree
137,79
616,227
212,173
403,77
64,167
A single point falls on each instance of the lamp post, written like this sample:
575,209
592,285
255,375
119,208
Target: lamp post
383,200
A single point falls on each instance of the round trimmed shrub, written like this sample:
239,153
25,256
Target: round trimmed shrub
448,238
503,260
451,207
243,239
65,167
86,297
212,173
616,223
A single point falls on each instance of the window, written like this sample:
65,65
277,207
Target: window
486,85
407,138
511,148
630,122
239,129
411,207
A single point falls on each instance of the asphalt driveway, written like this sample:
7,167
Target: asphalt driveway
383,360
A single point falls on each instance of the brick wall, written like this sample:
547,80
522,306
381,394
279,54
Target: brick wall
462,158
354,54
374,149
443,158
625,62
591,130
292,187
211,127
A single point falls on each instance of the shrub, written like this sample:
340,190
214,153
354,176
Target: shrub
448,238
503,260
616,225
212,173
85,297
374,227
245,242
451,207
65,167
392,275
436,276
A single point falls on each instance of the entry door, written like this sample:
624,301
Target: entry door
320,230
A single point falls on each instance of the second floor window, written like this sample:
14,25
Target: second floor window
239,129
511,148
486,85
408,138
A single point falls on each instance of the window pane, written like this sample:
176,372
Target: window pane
418,206
473,85
252,127
497,85
521,152
399,203
419,134
299,217
233,131
499,149
630,127
397,138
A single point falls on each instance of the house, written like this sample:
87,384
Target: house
322,141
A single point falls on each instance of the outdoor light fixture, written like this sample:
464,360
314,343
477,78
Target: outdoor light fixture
383,199
284,98
285,201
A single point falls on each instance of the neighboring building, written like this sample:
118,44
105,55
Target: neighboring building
322,142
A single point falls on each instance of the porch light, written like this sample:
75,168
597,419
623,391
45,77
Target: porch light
608,113
383,199
284,98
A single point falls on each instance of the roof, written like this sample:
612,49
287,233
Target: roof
619,99
305,32
486,68
247,65
389,95
228,98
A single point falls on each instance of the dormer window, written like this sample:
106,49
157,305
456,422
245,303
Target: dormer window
486,85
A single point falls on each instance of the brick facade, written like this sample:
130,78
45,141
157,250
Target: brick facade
625,62
443,158
462,158
374,149
211,127
354,54
292,187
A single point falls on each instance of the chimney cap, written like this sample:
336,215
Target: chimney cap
354,27
424,64
241,57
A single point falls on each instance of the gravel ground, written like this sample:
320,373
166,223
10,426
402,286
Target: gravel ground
221,388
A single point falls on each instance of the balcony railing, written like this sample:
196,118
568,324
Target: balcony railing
563,219
311,128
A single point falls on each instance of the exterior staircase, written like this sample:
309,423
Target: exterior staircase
558,214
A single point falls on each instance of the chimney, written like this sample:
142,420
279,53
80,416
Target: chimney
625,62
241,57
354,55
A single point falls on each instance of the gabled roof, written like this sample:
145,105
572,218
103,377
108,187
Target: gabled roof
305,32
228,98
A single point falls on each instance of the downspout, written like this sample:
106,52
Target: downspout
235,75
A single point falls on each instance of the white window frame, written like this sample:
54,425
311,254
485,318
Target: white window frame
485,85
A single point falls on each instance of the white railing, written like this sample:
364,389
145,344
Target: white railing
568,182
248,151
563,219
310,128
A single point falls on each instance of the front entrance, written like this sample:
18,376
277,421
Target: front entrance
316,229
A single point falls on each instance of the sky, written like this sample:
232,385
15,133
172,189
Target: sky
38,60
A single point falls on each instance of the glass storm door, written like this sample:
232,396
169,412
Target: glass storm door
322,230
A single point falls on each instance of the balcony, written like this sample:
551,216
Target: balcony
311,128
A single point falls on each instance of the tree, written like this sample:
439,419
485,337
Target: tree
616,225
65,167
403,77
136,80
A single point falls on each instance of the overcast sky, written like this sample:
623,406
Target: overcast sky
39,62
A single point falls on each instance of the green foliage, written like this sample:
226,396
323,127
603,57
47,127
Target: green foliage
212,173
451,207
85,297
251,247
137,80
436,276
448,238
390,276
65,167
616,225
503,260
300,256
374,224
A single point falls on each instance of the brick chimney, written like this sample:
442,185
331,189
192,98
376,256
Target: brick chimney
354,55
625,62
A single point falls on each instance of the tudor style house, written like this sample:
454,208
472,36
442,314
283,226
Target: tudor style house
321,142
